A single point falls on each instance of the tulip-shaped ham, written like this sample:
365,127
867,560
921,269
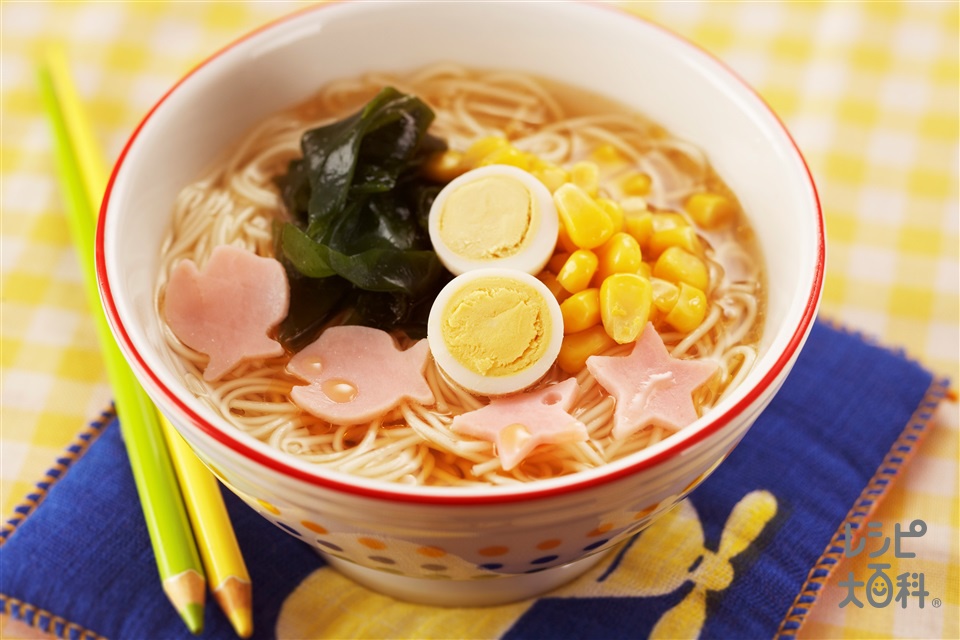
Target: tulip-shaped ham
228,309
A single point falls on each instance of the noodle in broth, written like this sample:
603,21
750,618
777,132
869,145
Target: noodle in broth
237,203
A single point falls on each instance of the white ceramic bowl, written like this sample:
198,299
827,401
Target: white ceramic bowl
405,540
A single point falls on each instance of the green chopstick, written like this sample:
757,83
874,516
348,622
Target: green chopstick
175,548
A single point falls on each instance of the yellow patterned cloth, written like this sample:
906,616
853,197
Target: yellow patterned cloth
869,90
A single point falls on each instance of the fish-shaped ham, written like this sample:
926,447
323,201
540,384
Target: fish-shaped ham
228,309
650,385
357,374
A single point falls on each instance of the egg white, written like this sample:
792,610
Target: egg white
530,259
493,385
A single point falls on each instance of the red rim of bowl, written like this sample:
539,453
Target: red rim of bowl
715,424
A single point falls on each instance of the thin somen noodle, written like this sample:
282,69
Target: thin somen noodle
237,203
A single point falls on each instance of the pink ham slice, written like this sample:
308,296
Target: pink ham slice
357,374
227,310
650,385
518,423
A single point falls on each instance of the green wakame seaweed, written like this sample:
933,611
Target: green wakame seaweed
359,204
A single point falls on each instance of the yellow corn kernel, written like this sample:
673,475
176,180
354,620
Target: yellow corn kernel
564,243
577,271
577,347
683,237
640,226
625,301
607,153
557,261
444,166
677,265
709,210
634,204
689,310
614,210
581,311
663,220
482,148
665,294
554,285
645,270
586,222
552,176
636,184
619,254
586,175
507,155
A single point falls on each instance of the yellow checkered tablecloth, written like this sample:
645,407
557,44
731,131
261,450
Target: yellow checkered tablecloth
870,91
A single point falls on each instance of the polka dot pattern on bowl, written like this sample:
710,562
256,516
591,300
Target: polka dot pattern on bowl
457,560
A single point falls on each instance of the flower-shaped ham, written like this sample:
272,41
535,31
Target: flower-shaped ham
227,310
357,374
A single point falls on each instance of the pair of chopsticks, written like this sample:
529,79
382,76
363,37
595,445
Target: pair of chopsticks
181,500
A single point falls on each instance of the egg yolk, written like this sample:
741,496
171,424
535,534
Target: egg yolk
496,326
489,218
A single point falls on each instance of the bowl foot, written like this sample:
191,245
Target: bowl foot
464,593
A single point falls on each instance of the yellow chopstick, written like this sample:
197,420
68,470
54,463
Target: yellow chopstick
175,548
226,570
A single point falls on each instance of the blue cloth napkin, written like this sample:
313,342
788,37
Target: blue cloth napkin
743,557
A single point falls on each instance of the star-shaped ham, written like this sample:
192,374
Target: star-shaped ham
228,309
520,422
357,374
651,387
